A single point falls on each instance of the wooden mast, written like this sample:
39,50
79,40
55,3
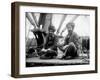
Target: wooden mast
62,20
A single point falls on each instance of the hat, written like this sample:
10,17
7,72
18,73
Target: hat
71,23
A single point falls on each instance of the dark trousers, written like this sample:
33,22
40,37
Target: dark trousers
50,54
70,51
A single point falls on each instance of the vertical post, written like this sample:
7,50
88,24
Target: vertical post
45,20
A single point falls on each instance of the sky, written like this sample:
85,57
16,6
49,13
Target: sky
82,24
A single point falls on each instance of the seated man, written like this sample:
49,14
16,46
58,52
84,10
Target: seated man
70,46
50,46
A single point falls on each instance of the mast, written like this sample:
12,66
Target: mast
45,20
62,20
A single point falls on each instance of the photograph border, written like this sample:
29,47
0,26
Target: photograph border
15,32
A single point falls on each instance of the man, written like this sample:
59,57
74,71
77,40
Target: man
71,44
50,46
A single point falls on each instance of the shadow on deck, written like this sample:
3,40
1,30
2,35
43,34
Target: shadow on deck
33,62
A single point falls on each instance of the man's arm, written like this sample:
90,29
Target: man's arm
76,41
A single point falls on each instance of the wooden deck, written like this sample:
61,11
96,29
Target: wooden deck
44,62
36,61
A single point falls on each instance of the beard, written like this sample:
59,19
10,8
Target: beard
70,31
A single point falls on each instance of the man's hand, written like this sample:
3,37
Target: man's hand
64,47
49,49
43,49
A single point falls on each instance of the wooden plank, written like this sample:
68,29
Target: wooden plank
57,61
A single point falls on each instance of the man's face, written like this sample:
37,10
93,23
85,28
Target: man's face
51,31
69,28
